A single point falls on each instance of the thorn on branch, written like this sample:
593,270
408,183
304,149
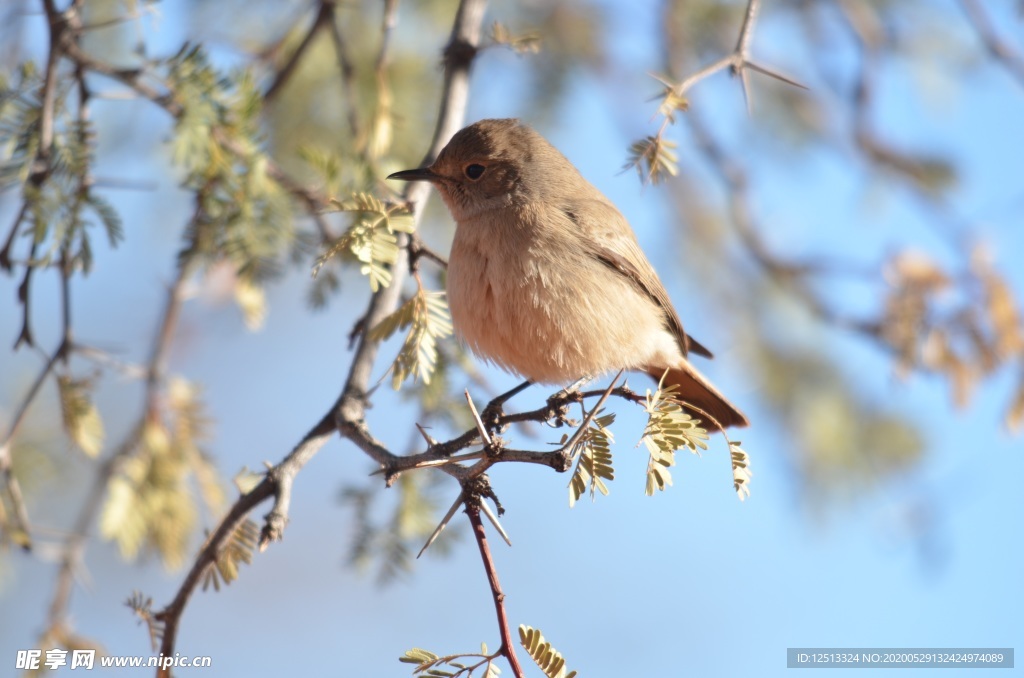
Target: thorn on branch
431,442
444,523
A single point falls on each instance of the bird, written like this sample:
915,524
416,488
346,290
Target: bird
546,278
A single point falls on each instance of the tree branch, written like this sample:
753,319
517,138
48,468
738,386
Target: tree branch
324,15
40,172
997,47
473,501
5,253
133,78
73,548
789,275
653,150
347,71
347,414
738,61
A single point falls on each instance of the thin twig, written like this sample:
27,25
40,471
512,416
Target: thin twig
324,15
41,167
459,54
130,77
867,29
999,48
581,431
9,480
347,71
790,276
440,455
418,250
25,336
480,534
5,253
738,61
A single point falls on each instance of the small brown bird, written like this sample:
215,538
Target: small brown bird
546,278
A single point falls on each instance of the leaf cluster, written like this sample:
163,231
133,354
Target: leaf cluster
426,316
81,418
654,159
370,239
672,101
669,428
430,664
61,204
594,463
142,606
526,43
741,472
965,327
546,657
238,549
150,504
243,215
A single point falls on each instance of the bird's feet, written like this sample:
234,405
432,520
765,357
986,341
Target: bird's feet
558,404
493,415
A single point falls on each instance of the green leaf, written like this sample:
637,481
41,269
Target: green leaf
239,548
417,656
252,302
546,657
594,464
151,503
371,237
426,316
326,165
528,43
741,472
653,159
109,217
669,428
82,420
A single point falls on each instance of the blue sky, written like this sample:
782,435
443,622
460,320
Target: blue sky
690,582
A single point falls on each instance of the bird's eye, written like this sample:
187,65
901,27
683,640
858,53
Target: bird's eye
475,171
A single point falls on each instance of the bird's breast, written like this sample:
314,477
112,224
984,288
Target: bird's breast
532,302
491,293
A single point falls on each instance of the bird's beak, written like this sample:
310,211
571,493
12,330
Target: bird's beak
421,174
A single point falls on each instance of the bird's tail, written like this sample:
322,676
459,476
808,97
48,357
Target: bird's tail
699,398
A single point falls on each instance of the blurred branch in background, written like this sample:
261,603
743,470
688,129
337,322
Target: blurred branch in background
282,154
1003,51
959,320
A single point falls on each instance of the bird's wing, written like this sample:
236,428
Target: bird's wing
607,236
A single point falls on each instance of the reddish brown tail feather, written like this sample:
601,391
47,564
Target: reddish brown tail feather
693,389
